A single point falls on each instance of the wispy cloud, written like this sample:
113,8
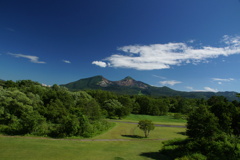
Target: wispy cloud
33,59
170,82
205,89
163,56
100,63
161,77
66,61
221,80
208,89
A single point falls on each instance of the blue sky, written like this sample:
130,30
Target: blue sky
187,45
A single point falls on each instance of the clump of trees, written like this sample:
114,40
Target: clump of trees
213,132
27,107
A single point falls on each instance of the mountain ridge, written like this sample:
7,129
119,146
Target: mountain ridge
128,85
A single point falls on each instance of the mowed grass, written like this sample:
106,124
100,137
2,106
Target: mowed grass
37,149
126,145
166,119
132,132
135,148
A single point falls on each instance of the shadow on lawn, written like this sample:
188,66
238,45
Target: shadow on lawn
132,136
182,133
154,155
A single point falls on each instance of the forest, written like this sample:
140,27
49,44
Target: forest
28,108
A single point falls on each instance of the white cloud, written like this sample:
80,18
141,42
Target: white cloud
222,80
66,61
45,85
163,56
171,82
100,63
191,41
33,59
208,89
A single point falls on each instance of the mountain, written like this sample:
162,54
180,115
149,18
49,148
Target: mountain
125,86
131,86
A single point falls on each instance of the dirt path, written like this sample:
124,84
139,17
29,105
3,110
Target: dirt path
156,125
83,140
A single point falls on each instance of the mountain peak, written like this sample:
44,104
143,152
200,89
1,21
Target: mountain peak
128,78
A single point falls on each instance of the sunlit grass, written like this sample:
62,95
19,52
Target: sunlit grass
133,148
121,130
166,119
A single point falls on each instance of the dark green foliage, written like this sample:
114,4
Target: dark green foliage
194,156
177,116
224,110
114,108
213,133
202,124
26,107
190,149
150,106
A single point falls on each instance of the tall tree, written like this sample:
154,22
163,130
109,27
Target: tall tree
202,124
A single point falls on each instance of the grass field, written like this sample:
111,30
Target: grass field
168,119
119,143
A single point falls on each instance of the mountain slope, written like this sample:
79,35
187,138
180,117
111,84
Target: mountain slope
125,86
130,86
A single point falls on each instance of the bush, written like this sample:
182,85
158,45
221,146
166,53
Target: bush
177,116
195,156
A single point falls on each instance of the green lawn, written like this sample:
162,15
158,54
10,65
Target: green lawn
99,148
127,131
167,119
37,149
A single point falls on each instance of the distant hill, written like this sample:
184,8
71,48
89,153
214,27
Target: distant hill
2,82
131,86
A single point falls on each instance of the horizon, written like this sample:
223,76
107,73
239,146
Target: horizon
43,84
186,46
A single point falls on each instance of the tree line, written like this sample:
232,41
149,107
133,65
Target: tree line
213,131
27,107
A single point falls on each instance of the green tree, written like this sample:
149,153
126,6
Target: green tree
146,126
202,124
114,109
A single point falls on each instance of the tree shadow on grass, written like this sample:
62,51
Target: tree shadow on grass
154,155
132,136
118,158
182,133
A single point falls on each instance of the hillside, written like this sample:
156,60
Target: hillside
131,86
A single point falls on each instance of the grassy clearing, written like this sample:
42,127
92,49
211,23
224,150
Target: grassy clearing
168,119
51,149
129,131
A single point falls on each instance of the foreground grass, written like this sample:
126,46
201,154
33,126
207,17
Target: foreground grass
167,119
37,149
27,148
